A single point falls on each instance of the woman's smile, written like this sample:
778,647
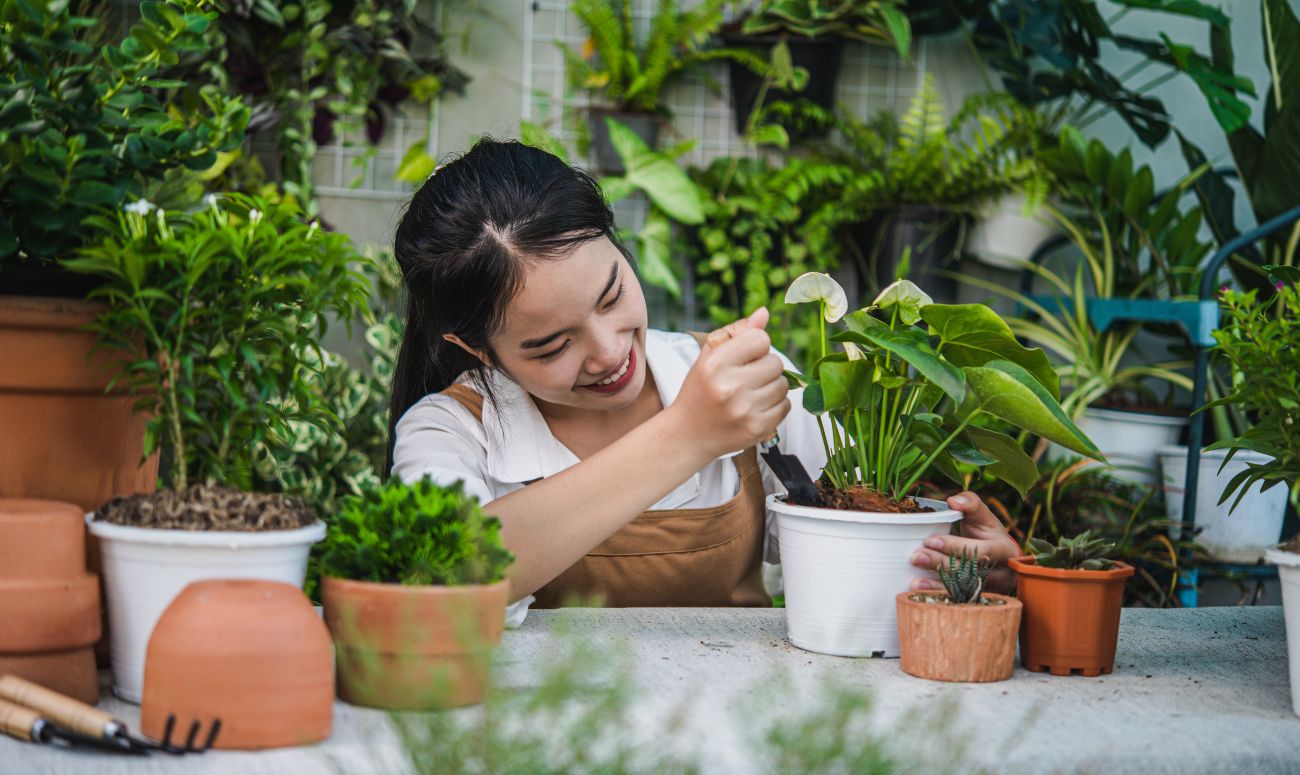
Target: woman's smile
615,382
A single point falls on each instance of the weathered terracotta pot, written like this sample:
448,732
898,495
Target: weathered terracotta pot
975,643
49,604
252,653
413,648
1071,618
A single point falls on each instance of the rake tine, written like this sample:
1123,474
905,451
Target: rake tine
212,734
192,736
168,728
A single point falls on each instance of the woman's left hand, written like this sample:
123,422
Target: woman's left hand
981,534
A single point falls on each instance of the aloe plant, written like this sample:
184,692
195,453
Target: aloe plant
1083,552
902,399
964,577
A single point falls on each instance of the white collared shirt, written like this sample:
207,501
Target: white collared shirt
440,439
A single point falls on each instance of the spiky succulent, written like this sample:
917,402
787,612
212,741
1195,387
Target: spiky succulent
1083,552
964,577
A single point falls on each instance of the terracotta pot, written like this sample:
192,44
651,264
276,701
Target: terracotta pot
413,648
64,438
975,643
252,653
1071,618
49,604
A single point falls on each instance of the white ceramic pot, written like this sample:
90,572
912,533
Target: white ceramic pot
1129,440
144,569
843,569
1288,572
1004,237
1241,536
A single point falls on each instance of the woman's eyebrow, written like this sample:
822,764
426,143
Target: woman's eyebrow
530,344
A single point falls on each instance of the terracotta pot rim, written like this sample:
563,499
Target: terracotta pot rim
1026,566
36,507
395,590
941,513
48,312
211,538
1009,602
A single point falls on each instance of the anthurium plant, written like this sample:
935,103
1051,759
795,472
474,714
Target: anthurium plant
913,386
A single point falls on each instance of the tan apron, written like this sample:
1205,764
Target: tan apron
676,557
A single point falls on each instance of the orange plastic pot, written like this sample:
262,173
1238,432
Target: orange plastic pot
413,647
1071,617
972,643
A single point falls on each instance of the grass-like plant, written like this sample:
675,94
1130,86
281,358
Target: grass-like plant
902,399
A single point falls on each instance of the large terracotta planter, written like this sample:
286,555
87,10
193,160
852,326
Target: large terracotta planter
413,648
252,653
1071,617
64,438
49,604
975,643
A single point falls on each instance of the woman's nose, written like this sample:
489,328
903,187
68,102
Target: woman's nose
608,355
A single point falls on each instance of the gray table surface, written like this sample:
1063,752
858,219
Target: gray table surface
1198,690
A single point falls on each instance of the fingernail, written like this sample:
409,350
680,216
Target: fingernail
934,542
921,560
959,501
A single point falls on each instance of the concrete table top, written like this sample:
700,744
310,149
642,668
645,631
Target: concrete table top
1194,690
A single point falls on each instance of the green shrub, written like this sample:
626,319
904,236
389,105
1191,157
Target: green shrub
417,534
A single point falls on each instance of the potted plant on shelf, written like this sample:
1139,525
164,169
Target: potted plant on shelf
899,402
413,581
84,126
629,77
815,33
961,634
1072,594
212,312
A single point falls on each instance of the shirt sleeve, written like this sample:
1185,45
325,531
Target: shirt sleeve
439,439
801,437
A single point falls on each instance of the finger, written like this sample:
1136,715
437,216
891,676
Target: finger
771,394
772,417
983,549
757,319
928,559
924,584
765,371
975,514
745,347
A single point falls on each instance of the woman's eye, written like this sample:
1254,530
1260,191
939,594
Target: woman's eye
618,298
553,354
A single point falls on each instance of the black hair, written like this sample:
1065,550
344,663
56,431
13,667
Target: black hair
461,245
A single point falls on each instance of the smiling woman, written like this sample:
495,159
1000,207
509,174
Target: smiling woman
620,460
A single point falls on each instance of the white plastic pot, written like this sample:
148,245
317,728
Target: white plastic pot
1241,536
842,570
1003,237
1288,571
1129,440
145,569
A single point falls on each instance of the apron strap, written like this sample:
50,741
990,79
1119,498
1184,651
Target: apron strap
467,397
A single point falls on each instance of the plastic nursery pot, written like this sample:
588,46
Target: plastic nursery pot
843,569
1071,617
146,568
645,125
251,653
1288,571
821,57
49,604
413,647
971,642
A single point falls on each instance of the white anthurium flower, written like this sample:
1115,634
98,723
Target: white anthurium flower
140,207
852,351
907,297
819,286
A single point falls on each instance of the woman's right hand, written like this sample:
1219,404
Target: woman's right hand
735,395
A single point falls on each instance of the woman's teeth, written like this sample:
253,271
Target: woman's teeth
622,370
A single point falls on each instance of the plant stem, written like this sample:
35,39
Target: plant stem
934,454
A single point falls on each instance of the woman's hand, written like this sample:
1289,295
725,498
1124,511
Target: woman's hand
735,394
981,534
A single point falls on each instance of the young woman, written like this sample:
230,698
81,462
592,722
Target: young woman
620,460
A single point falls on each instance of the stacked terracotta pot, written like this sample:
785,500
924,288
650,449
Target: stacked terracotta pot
49,604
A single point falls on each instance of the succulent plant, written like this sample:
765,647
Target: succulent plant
964,577
1083,552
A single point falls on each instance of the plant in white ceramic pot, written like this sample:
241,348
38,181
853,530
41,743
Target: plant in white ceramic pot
896,402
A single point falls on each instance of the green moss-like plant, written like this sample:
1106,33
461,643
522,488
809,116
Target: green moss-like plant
416,534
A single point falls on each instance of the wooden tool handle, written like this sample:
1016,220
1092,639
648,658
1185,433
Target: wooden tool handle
17,721
64,711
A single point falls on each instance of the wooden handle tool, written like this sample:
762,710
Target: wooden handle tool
66,712
22,723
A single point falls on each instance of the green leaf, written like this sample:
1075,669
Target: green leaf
912,345
1009,392
973,335
417,165
1013,465
845,383
813,400
654,260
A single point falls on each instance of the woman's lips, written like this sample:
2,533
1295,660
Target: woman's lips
621,382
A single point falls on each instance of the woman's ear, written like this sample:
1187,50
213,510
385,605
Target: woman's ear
456,340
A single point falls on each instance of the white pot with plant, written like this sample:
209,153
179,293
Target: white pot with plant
216,314
1008,229
898,402
1237,531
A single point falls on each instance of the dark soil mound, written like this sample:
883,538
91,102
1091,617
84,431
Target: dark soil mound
863,499
207,507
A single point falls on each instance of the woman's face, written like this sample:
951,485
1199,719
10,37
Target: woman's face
574,334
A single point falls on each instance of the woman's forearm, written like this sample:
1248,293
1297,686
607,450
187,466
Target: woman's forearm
551,524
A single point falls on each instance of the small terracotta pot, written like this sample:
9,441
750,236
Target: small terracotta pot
413,648
975,643
49,604
1071,619
252,653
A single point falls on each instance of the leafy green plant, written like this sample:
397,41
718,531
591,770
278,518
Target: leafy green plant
631,75
1261,341
213,314
882,22
84,125
416,534
963,577
902,398
1083,552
